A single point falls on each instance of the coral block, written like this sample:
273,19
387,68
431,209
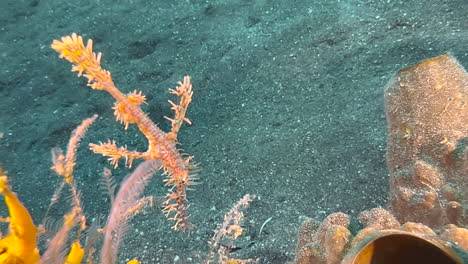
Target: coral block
427,156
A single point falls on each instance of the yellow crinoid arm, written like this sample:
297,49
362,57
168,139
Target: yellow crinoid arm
19,246
76,254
